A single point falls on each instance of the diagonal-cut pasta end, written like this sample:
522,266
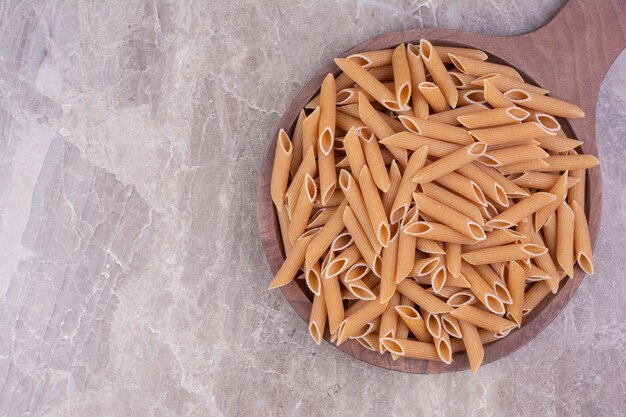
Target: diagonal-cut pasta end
438,278
398,214
404,95
326,141
341,333
502,292
461,298
408,312
383,234
585,263
499,224
361,60
489,161
517,96
356,272
315,332
444,350
533,250
433,325
494,304
361,291
366,343
313,282
335,267
410,124
476,231
392,346
345,96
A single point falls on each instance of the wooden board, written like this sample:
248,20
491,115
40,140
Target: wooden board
569,56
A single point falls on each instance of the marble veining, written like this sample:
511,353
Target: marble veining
132,279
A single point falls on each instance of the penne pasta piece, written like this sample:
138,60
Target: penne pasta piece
320,217
350,95
406,251
536,164
582,242
436,130
368,83
360,290
310,129
343,261
544,104
565,238
489,186
372,59
535,274
449,217
411,349
504,253
558,144
494,97
524,208
303,209
356,272
378,125
535,294
450,117
439,276
461,298
326,129
354,152
283,221
443,348
422,298
414,321
496,238
516,282
438,71
512,155
451,325
453,258
313,279
461,81
317,319
479,68
560,191
290,267
341,242
482,319
418,75
433,324
360,239
413,142
542,181
374,205
464,187
308,166
460,204
520,132
328,176
439,232
471,96
569,162
449,163
495,117
443,52
325,237
406,188
510,188
394,184
354,197
473,345
296,143
280,170
577,192
374,158
401,76
424,266
481,289
356,319
389,262
504,83
433,96
389,319
369,341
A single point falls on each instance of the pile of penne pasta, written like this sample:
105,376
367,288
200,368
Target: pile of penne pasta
429,199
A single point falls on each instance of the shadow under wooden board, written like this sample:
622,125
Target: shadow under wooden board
570,56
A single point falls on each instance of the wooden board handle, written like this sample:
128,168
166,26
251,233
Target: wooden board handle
595,29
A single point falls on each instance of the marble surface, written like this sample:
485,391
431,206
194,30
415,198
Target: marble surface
132,280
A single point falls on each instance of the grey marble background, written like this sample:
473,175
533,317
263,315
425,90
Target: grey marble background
132,280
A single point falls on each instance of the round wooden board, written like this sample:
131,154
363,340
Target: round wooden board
571,78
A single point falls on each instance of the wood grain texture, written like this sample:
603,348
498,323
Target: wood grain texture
570,56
